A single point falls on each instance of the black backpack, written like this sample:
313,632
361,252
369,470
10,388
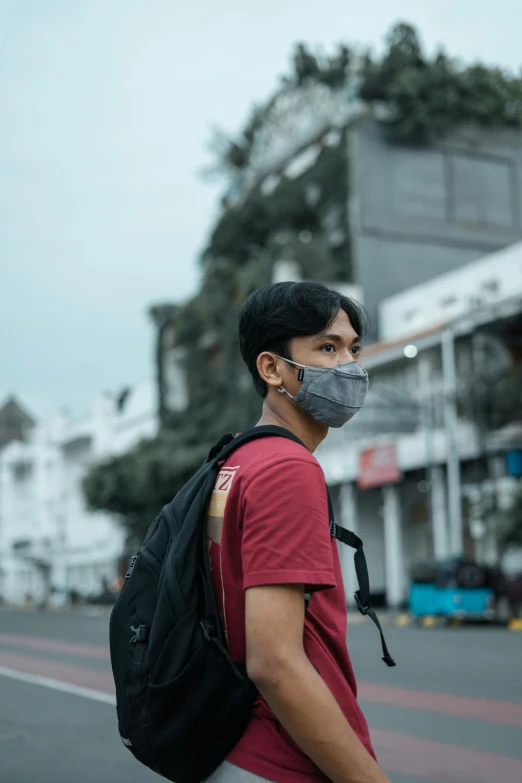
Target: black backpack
182,702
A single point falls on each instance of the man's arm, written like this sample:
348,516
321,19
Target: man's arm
295,692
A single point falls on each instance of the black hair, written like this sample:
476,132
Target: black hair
271,316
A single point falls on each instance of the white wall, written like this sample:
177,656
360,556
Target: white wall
491,279
371,531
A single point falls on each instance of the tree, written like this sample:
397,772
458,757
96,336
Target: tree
403,56
404,50
335,73
427,98
425,101
305,64
135,486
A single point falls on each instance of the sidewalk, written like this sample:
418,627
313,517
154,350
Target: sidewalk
402,619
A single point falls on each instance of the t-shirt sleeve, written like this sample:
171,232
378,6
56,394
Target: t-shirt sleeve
286,528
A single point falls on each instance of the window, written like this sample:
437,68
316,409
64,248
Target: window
482,190
418,188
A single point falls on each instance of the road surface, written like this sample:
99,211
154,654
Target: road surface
450,712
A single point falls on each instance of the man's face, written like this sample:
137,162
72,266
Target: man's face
338,344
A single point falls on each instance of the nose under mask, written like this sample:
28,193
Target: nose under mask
332,395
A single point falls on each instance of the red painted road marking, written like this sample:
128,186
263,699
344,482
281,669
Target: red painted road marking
57,670
489,710
504,712
437,762
441,762
54,645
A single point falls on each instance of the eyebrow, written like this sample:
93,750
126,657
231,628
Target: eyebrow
335,338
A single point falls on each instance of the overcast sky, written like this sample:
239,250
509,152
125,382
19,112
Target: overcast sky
106,108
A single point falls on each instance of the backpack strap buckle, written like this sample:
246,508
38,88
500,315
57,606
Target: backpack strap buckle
363,608
141,634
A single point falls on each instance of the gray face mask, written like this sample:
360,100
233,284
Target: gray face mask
332,395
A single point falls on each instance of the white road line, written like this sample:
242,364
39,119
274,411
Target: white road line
57,685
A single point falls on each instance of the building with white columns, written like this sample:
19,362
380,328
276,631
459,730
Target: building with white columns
47,535
420,472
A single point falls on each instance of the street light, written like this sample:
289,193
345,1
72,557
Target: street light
410,351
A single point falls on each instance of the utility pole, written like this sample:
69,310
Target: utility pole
434,472
452,455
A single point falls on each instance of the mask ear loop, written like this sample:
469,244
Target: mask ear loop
300,374
282,390
302,367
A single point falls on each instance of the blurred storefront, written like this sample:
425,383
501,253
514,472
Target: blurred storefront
429,465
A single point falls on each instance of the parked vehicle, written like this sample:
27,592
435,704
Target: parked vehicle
456,588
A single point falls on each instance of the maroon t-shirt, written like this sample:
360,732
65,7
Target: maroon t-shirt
268,524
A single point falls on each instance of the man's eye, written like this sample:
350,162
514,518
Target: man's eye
326,348
356,350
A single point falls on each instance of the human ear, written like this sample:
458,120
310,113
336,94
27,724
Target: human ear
267,367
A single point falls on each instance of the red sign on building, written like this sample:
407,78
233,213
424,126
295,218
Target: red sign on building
377,466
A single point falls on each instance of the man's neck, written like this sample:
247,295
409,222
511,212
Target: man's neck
311,432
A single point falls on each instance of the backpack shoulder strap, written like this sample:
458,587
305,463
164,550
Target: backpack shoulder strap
228,443
222,442
362,596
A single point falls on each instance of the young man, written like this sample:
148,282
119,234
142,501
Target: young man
270,545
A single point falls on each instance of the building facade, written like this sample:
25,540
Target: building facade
414,212
421,471
51,545
417,213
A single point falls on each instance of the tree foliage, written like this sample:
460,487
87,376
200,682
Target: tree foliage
136,485
306,203
427,98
